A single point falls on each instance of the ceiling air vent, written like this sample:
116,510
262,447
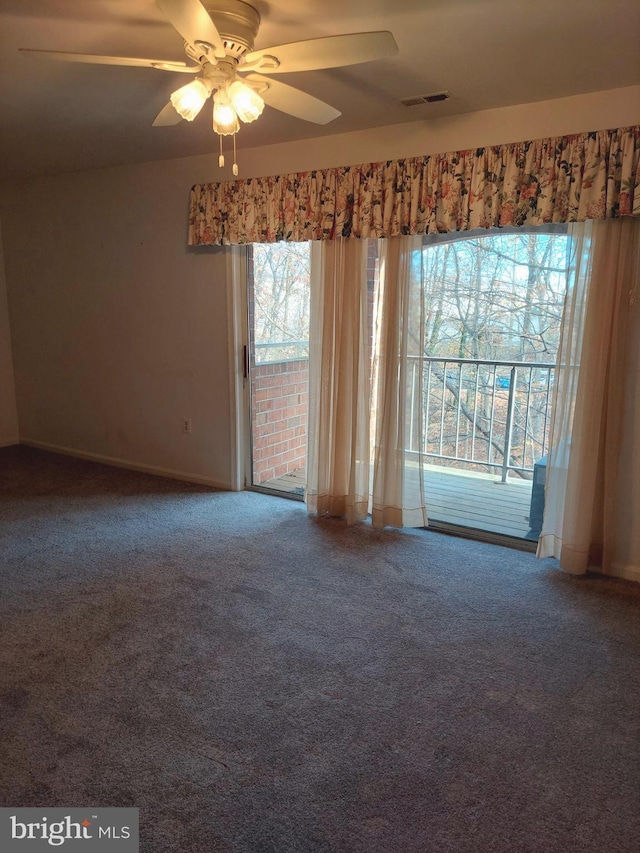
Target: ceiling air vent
425,99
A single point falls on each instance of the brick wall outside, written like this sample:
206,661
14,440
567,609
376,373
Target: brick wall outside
280,395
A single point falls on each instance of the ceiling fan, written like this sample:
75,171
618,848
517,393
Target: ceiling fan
218,40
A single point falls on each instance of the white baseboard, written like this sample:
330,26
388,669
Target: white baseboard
126,463
8,440
629,573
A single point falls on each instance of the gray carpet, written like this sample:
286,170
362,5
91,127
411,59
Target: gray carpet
257,681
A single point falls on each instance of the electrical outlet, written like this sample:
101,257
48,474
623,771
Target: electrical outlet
186,425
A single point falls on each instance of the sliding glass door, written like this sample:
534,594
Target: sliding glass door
493,304
278,364
479,388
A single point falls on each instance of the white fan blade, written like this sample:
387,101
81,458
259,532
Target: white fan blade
167,116
92,59
192,21
294,102
328,52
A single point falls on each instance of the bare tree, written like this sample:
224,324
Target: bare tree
281,293
493,298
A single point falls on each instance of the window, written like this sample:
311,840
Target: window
279,356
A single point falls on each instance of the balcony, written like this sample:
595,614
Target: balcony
279,406
481,426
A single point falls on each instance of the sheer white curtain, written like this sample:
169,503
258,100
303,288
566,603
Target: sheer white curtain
592,498
338,474
397,490
365,367
366,433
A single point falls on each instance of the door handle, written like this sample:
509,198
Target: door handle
245,362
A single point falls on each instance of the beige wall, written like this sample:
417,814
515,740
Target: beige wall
627,532
595,111
8,413
119,330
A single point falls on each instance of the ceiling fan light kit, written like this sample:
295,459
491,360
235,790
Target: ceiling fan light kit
225,118
246,101
219,39
189,100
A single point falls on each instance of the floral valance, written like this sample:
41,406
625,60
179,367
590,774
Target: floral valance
566,179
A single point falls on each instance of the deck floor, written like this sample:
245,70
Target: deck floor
480,501
462,498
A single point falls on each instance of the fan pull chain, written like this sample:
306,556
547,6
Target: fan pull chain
235,165
221,157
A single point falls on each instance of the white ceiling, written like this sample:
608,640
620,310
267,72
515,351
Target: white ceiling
57,117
